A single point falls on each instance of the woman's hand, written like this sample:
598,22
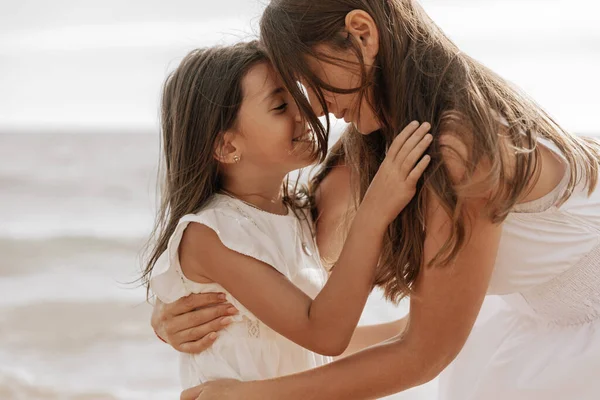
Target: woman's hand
395,183
191,324
225,389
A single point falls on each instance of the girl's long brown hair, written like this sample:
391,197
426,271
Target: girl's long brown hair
419,74
201,100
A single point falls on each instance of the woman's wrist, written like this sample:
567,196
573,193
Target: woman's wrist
259,390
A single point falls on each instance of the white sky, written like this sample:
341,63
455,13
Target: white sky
99,65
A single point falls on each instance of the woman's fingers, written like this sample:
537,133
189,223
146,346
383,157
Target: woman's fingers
199,332
199,317
194,301
411,159
198,346
201,336
187,323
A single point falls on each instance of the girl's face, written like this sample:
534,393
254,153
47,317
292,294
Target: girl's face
271,132
349,107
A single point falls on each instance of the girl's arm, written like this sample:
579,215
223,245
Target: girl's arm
370,335
334,203
325,324
443,310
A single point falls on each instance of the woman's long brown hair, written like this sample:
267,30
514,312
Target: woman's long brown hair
419,74
201,100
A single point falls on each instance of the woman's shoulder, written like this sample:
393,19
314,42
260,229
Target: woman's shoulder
334,190
475,172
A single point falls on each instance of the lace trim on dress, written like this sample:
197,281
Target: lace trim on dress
572,297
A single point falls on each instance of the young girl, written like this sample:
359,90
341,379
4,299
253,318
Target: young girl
231,134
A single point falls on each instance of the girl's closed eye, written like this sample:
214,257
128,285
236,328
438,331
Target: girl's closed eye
282,107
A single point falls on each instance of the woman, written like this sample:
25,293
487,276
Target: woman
509,206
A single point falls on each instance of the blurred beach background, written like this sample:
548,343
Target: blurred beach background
79,90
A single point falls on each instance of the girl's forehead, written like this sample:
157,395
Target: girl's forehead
262,82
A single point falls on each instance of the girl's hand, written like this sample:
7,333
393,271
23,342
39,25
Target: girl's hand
225,389
395,183
191,324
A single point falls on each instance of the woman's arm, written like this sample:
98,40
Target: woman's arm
325,324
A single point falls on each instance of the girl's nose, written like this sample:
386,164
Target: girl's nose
296,111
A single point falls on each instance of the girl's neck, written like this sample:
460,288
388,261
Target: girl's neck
261,194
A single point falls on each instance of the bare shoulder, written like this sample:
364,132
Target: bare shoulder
455,153
470,171
333,202
334,192
199,245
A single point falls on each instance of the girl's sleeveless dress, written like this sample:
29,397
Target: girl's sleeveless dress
247,349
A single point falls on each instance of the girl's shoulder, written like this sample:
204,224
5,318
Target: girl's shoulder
227,210
235,231
217,204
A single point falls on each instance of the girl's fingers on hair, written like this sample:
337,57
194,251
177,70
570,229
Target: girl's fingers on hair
412,142
200,317
413,157
198,346
418,170
399,140
199,332
194,301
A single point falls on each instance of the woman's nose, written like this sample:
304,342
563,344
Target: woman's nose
315,103
332,105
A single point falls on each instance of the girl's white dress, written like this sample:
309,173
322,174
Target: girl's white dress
539,337
247,349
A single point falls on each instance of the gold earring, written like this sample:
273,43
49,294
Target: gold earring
236,159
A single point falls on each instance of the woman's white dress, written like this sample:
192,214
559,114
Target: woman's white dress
539,336
247,349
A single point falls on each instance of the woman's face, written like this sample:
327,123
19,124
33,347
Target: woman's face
343,75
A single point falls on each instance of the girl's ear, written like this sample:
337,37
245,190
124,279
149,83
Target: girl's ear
229,149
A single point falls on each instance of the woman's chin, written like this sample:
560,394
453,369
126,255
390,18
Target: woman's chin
366,129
